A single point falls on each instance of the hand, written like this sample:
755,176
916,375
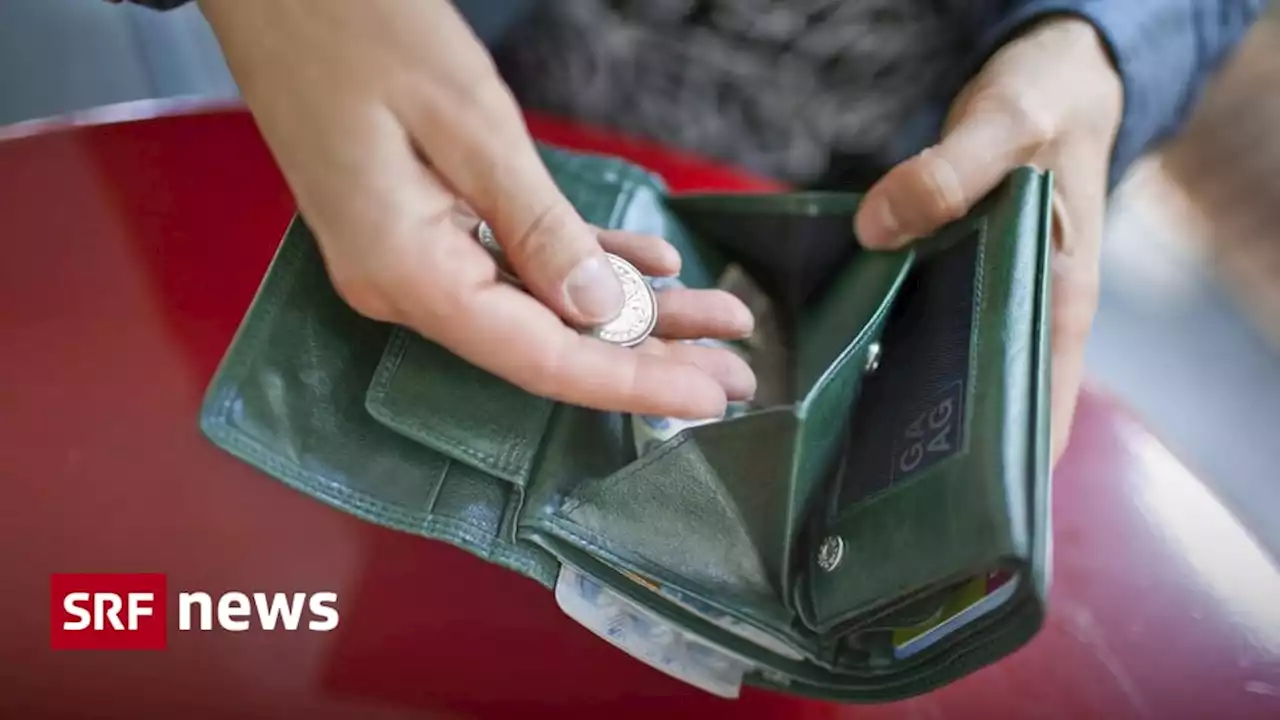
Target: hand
1050,98
389,121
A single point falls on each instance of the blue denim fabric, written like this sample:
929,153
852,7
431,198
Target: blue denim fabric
1165,51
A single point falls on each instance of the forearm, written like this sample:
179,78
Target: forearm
1164,50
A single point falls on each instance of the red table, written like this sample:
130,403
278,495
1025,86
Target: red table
132,248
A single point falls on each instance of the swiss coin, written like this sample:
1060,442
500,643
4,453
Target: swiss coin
639,308
484,234
639,312
487,240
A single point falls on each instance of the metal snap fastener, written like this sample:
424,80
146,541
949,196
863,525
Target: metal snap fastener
873,357
830,553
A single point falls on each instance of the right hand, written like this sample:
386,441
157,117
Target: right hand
390,122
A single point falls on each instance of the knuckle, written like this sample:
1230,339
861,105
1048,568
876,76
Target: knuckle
380,279
364,294
943,197
491,99
352,279
534,240
1032,124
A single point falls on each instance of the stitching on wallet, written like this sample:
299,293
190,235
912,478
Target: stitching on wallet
239,357
428,430
446,529
435,494
979,304
390,364
455,532
512,462
598,543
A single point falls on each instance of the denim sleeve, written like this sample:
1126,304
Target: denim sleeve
1164,50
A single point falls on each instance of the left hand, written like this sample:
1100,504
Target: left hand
1050,98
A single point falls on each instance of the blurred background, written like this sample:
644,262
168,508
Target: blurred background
1188,331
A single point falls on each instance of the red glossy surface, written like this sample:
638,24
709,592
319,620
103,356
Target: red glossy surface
131,251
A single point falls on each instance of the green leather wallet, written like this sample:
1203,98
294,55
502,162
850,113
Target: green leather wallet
827,540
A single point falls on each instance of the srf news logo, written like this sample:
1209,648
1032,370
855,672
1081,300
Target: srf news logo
131,611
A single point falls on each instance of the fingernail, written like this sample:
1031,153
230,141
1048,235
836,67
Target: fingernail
878,227
594,291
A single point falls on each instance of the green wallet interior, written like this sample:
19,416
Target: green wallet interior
880,530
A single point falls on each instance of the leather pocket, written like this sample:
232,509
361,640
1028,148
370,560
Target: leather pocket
717,511
289,398
432,396
946,461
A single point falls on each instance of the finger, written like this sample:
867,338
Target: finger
1078,207
995,134
513,335
468,126
1074,301
555,254
439,281
649,253
731,371
687,314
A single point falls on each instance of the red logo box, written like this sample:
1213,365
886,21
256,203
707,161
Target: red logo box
108,611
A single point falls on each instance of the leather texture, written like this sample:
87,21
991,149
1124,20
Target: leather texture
930,469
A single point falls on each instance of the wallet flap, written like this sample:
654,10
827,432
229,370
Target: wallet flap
428,394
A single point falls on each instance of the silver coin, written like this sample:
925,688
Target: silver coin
639,308
485,235
487,240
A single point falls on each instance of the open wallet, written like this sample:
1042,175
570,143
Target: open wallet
874,525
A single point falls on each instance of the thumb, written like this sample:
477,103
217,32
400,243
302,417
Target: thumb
470,130
501,175
556,254
942,183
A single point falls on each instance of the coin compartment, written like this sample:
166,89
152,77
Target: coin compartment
719,510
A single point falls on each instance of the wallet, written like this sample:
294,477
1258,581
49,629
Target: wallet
878,529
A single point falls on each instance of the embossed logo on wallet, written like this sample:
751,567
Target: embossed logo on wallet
912,414
932,435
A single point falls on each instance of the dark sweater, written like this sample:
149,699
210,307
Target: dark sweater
886,90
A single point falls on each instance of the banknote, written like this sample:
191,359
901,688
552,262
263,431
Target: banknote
649,431
647,637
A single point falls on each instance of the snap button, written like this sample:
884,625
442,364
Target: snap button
873,357
830,553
